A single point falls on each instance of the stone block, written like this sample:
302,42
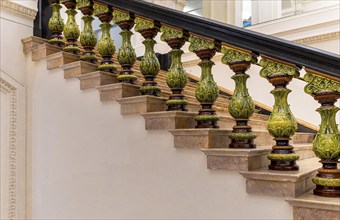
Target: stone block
282,183
236,159
59,59
141,104
311,207
32,43
94,79
169,120
117,91
78,68
200,138
44,50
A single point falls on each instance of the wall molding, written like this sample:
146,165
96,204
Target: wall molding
19,9
10,90
319,38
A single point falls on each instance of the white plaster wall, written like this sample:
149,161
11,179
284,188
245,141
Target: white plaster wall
15,24
89,162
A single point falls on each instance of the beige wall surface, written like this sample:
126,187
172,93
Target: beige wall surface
89,162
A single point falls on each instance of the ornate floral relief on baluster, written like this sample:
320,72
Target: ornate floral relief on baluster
71,29
126,53
150,65
326,144
176,77
88,38
241,105
281,124
206,90
56,25
105,46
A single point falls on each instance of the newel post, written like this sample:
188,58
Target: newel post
241,105
326,144
206,90
281,124
176,77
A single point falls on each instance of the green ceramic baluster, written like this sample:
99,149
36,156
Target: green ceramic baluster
105,46
126,53
281,124
206,90
176,77
326,144
241,106
71,29
56,25
150,65
88,38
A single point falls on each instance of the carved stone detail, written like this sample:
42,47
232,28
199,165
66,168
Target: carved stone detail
12,190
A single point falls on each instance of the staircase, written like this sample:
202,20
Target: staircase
283,167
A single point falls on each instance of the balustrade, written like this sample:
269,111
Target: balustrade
324,87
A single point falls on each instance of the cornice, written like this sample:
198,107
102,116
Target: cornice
19,9
319,38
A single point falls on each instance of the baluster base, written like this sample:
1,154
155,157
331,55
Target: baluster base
176,101
126,75
282,156
150,87
207,117
327,180
72,47
107,65
242,135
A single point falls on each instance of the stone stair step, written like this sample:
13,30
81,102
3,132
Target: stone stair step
309,206
141,104
114,92
236,159
59,59
169,120
93,79
44,50
282,183
78,68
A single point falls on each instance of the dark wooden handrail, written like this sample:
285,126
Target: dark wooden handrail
326,63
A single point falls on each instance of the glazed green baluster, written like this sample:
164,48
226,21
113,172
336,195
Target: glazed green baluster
56,25
88,38
150,65
176,77
71,29
206,90
326,144
126,53
281,124
241,106
105,46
